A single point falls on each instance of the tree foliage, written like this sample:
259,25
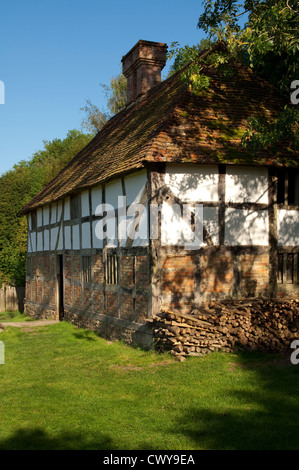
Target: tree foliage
268,40
184,55
263,34
17,187
116,98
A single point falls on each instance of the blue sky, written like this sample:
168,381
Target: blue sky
54,55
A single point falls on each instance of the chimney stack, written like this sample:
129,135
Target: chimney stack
142,67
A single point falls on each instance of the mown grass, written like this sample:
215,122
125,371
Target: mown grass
14,317
66,388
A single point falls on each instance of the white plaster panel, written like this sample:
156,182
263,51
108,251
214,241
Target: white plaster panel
112,191
39,217
54,234
59,210
288,227
141,237
67,209
170,226
67,237
29,222
110,221
76,237
46,215
96,242
46,240
54,213
130,223
177,229
29,243
246,227
112,241
96,198
124,226
110,234
33,241
246,184
85,203
86,242
134,185
195,183
60,240
40,246
211,223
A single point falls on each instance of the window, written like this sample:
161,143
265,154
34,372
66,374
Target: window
33,220
111,268
280,268
288,268
75,206
86,267
287,189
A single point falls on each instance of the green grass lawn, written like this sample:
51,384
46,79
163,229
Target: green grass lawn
66,388
13,317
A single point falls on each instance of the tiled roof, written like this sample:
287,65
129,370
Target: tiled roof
172,124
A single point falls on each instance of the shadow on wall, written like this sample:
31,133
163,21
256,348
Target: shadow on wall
225,273
215,274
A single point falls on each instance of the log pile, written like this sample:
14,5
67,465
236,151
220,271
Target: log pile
228,325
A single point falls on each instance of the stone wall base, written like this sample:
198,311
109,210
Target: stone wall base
40,311
112,328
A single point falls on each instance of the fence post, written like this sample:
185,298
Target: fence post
11,298
2,299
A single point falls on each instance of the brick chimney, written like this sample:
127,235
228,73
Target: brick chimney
142,67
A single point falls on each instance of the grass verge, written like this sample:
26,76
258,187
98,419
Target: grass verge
66,388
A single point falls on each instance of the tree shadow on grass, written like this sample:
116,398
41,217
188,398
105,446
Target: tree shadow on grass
87,335
263,419
38,439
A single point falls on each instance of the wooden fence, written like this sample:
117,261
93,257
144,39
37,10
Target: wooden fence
11,298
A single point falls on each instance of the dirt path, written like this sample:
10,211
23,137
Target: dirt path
28,324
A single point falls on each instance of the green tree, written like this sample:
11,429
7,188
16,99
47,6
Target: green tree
263,34
17,187
46,163
116,96
184,55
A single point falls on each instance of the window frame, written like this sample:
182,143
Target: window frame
111,269
86,269
286,192
287,268
75,206
34,220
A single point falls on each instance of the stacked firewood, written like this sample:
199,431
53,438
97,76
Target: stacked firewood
228,325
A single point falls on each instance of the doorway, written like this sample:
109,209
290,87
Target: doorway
60,287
